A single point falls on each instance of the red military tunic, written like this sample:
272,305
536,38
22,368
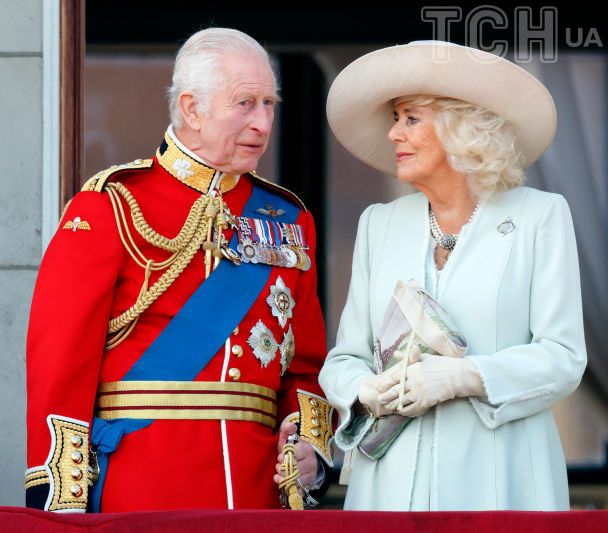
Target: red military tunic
87,277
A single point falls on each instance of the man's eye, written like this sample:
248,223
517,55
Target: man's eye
269,102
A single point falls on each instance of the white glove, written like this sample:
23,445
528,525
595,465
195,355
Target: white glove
371,388
433,380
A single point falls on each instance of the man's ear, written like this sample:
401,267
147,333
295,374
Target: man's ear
188,107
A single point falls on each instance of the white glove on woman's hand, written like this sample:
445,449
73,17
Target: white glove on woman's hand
433,380
371,388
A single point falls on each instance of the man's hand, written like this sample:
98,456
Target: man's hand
305,455
433,380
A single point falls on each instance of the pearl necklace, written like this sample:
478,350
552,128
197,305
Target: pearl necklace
446,240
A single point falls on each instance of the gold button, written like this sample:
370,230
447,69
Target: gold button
315,422
235,374
235,331
76,441
77,457
315,412
315,432
76,490
237,351
76,473
313,402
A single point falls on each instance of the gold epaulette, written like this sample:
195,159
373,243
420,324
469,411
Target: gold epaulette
98,182
278,189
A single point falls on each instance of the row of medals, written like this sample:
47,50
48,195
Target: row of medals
254,252
282,256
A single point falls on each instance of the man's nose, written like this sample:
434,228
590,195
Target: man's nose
262,119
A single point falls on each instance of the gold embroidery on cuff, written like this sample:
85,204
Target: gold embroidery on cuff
70,453
294,418
35,477
315,424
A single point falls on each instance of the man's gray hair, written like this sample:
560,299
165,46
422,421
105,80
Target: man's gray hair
198,65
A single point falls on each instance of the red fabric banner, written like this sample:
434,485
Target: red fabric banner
17,519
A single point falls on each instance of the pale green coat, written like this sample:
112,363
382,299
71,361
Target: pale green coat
516,297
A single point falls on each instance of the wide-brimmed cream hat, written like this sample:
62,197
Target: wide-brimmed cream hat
360,101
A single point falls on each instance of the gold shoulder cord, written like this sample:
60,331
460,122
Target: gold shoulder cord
206,212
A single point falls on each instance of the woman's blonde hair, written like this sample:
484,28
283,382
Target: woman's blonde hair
478,142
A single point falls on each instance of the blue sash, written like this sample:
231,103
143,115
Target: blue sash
196,333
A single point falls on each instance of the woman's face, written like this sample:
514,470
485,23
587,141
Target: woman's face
418,151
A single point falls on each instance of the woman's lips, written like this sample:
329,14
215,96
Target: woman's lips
404,156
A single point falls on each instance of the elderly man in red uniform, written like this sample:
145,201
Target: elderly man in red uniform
175,334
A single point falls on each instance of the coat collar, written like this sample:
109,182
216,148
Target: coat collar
187,167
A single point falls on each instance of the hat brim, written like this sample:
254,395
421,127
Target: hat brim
360,100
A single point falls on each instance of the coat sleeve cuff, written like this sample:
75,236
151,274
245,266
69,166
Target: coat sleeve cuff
314,422
62,483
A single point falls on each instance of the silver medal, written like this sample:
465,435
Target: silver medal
248,251
291,259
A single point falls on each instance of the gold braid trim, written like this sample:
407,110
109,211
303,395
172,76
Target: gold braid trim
195,231
100,180
291,473
35,478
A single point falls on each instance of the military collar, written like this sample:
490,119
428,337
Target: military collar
190,169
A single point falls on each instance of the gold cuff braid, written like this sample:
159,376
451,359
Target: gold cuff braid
315,424
69,464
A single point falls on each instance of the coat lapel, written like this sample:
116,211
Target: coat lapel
397,250
478,268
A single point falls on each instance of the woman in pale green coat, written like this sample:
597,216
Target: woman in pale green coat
499,257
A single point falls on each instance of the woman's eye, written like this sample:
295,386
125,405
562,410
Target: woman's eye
412,120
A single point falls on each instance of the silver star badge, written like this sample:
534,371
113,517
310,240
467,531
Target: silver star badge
263,343
280,301
288,350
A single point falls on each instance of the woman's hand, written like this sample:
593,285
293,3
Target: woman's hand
372,388
305,456
434,380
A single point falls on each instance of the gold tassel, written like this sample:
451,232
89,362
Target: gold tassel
290,475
